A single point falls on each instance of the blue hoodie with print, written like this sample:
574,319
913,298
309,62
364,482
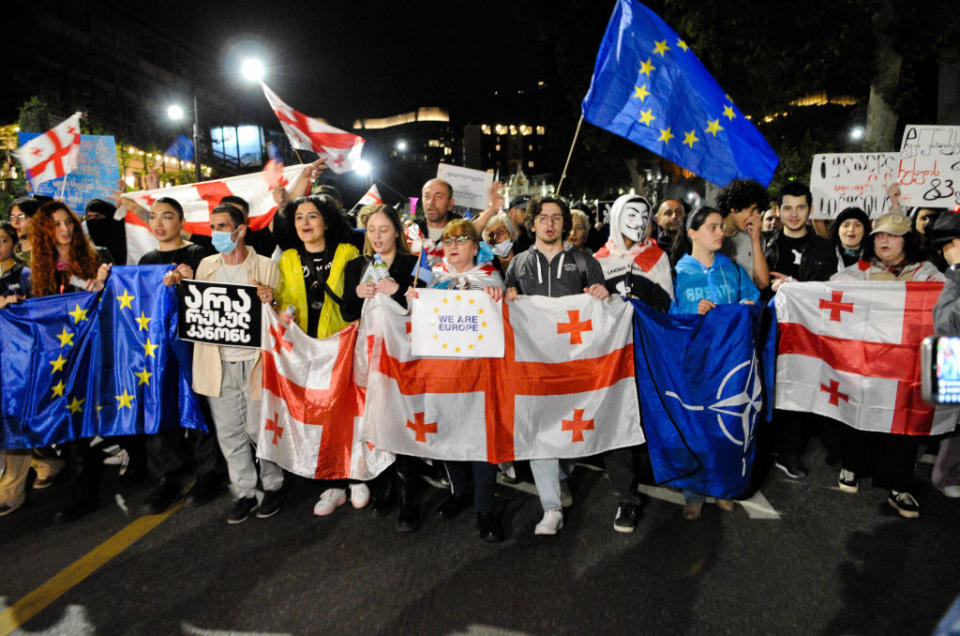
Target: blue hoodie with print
724,282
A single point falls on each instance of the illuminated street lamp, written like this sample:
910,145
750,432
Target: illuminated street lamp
252,69
401,145
856,133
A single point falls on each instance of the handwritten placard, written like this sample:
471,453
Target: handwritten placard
94,177
853,179
219,313
929,171
470,187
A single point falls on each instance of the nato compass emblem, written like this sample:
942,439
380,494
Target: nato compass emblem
736,412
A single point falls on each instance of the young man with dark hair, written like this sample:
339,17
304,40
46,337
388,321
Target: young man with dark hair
517,213
262,240
547,269
743,199
796,253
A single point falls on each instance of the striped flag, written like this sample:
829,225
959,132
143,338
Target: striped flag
851,352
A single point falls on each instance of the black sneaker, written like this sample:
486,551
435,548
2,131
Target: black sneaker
489,527
270,504
628,516
408,519
904,503
242,508
847,481
206,489
791,466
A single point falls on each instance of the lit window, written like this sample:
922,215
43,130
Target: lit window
529,164
434,143
485,129
447,151
498,148
525,130
541,130
530,147
501,129
513,129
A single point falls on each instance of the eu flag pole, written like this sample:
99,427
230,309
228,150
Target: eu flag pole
650,88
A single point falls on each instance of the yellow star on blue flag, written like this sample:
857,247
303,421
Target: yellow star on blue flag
628,91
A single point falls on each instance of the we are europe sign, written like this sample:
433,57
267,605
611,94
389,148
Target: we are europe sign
456,324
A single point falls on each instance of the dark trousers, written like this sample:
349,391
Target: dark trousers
788,434
889,459
623,466
174,450
484,482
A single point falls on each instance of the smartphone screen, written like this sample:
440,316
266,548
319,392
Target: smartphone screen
941,362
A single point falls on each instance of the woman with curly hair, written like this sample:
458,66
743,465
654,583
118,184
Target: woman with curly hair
63,259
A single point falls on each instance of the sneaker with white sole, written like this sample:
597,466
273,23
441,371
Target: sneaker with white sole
550,524
904,503
951,491
359,495
330,500
847,481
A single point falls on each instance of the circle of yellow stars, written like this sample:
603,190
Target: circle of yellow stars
642,91
483,323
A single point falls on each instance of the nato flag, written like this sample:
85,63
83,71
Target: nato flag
702,383
650,88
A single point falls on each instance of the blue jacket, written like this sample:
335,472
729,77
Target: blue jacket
725,282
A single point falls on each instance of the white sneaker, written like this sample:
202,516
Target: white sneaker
566,497
951,491
359,495
550,524
330,500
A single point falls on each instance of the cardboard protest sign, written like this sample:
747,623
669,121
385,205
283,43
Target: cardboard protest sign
95,176
853,179
470,186
929,170
456,324
219,313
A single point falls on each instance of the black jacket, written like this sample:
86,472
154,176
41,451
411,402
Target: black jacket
818,260
401,271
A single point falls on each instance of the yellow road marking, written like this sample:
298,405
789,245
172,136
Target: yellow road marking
60,583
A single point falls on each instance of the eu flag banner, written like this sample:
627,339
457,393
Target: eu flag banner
701,381
77,365
650,88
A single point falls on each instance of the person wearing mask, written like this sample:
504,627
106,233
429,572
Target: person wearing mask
500,235
540,271
892,253
847,234
230,377
706,278
104,230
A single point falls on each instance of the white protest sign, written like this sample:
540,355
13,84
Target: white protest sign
470,187
852,179
456,324
929,173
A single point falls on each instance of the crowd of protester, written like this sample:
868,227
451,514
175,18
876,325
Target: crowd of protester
314,266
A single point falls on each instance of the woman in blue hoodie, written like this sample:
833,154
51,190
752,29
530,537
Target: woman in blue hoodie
706,278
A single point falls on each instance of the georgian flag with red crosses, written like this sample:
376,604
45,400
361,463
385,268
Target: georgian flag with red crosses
52,154
312,410
565,387
851,351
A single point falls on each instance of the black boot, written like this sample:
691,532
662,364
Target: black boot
408,519
85,492
164,494
383,492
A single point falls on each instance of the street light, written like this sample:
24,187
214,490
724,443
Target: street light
363,168
252,69
856,133
175,112
401,145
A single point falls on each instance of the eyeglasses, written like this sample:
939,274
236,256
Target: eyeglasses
460,240
18,217
549,220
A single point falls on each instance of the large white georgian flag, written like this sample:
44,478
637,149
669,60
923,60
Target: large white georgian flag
312,409
564,388
851,351
198,200
52,154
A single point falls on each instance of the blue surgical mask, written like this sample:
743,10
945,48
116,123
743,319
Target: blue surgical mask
222,242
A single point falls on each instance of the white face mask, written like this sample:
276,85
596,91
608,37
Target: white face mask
633,220
502,248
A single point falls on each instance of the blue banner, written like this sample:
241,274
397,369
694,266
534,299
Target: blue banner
95,176
181,148
702,382
650,88
77,365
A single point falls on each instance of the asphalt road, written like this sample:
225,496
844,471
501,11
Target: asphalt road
832,563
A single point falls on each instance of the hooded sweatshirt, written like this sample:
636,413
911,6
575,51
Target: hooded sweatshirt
724,282
643,259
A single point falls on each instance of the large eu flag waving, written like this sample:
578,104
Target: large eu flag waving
650,88
79,365
702,382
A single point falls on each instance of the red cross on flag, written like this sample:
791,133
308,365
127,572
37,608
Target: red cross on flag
851,351
52,154
198,199
371,197
342,149
312,409
565,386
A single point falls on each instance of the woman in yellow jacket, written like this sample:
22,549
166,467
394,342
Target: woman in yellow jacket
313,273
